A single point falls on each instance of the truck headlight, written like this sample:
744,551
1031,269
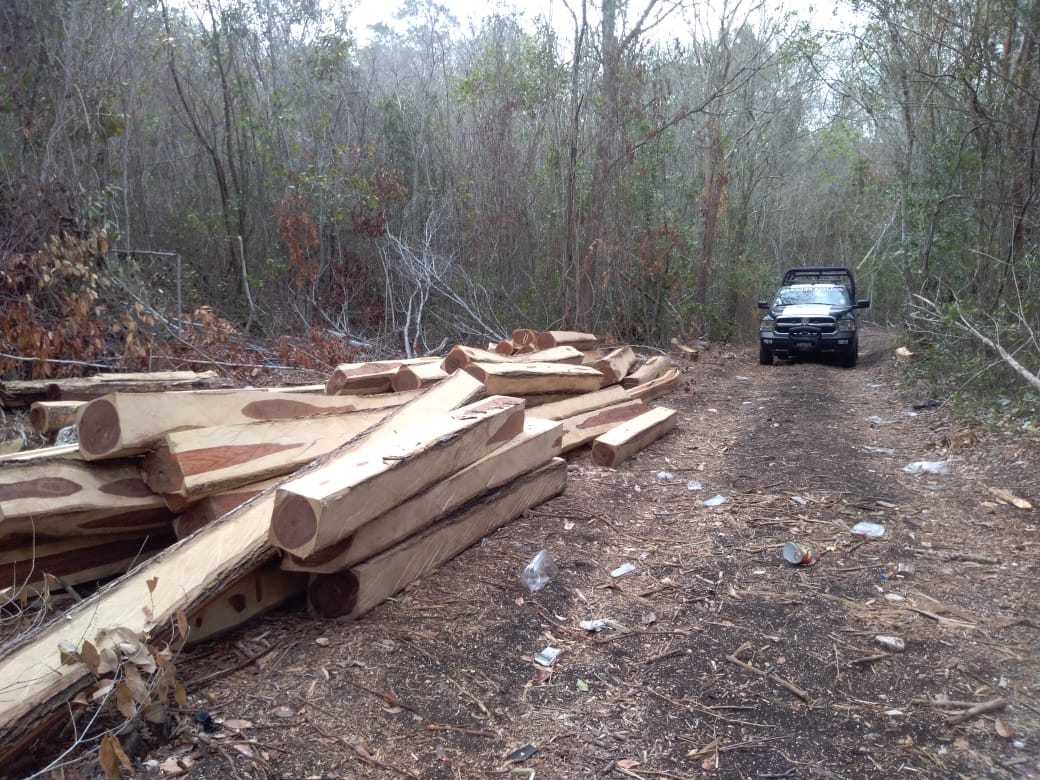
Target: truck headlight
846,325
766,323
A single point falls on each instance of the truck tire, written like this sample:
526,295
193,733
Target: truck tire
765,355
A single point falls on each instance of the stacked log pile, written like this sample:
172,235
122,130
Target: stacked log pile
233,501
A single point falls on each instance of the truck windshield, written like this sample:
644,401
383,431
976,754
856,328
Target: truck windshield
830,296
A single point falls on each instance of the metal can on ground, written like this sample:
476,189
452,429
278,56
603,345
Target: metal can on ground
799,554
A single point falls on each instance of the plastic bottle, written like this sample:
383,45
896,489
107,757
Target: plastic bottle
539,572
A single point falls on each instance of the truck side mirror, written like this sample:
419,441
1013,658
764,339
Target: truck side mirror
765,304
863,304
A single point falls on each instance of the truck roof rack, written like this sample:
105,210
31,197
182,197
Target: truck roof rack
830,274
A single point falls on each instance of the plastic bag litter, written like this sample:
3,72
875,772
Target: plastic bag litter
539,572
928,467
665,475
716,500
869,530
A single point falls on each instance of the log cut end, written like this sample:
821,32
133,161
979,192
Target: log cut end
331,596
97,428
162,472
294,522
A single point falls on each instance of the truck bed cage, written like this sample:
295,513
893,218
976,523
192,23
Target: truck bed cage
827,274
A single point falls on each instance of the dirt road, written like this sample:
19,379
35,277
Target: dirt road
719,658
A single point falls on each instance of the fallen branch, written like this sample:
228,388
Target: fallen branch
994,705
804,696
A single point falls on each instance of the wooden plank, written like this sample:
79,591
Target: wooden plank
539,443
202,461
37,684
210,508
583,428
49,417
78,558
651,369
615,446
368,378
570,338
326,505
656,388
354,591
580,404
129,424
616,364
535,378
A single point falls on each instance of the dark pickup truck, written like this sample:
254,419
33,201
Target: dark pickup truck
813,313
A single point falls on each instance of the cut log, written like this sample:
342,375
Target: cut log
25,393
326,505
49,417
206,510
583,428
186,575
539,443
580,404
368,378
616,364
254,594
352,592
535,378
613,447
38,490
129,424
525,339
461,356
201,461
657,388
78,558
503,347
59,452
691,353
569,338
653,368
417,377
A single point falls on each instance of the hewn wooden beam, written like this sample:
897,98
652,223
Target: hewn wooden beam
656,388
615,446
323,507
354,591
535,378
616,364
583,428
201,461
129,424
580,404
569,338
540,442
651,369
